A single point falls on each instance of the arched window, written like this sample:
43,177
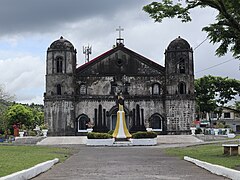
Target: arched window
156,122
59,89
82,122
182,88
59,65
83,89
156,89
181,66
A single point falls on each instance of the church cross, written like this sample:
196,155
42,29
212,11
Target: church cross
119,29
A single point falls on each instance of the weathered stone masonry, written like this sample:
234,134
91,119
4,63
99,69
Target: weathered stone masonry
154,96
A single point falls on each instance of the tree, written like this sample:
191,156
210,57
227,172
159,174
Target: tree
212,92
226,29
5,99
19,114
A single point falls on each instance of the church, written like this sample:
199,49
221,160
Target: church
155,96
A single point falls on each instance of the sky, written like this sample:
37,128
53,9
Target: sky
29,27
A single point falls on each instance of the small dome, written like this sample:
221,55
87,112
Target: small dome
178,44
62,44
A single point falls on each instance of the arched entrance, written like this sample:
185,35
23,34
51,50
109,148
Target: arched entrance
156,122
112,118
82,120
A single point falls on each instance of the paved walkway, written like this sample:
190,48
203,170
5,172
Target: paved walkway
164,139
125,163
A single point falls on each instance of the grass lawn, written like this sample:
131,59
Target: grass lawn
16,158
209,153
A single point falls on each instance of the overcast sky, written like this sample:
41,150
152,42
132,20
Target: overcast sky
29,27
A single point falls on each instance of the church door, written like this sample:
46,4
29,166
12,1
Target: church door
156,122
81,123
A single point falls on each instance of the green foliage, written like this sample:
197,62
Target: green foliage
212,91
140,135
226,29
220,125
198,131
43,126
19,114
95,135
31,133
209,153
16,158
111,132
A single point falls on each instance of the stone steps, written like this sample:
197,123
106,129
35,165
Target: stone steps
122,143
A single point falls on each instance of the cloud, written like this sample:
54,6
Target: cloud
22,76
23,16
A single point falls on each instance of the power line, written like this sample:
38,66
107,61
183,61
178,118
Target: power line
215,65
200,44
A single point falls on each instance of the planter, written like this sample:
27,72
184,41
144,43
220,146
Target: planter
21,133
149,129
144,142
231,135
193,130
100,142
216,132
44,131
89,130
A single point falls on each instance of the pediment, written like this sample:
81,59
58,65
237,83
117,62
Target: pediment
120,60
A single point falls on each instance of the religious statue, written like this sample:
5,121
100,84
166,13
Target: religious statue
121,131
120,103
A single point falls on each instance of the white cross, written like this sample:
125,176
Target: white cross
120,29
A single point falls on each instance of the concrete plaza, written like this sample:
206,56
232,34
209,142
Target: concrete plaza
124,163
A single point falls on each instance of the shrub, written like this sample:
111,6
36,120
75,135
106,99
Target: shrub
198,131
95,135
111,132
139,135
32,133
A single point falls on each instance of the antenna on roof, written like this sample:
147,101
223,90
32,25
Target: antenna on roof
87,50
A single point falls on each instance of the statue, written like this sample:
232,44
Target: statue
121,131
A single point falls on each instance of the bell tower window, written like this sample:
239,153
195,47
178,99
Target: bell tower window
59,89
83,89
181,68
156,89
59,65
182,88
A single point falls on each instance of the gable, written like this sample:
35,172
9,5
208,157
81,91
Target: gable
120,60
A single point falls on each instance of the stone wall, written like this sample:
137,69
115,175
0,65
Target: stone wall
60,117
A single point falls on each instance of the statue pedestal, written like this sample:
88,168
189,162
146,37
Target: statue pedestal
121,132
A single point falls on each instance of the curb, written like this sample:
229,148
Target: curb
31,172
216,169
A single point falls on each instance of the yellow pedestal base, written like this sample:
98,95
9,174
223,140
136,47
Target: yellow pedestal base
121,130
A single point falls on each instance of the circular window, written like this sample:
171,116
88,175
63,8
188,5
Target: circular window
119,62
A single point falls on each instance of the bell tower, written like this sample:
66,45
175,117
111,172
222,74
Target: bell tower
60,87
180,97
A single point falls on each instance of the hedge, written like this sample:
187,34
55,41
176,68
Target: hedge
95,135
140,135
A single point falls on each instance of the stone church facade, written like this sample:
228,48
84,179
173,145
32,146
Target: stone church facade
158,97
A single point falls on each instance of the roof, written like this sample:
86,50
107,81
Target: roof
127,51
179,44
62,44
